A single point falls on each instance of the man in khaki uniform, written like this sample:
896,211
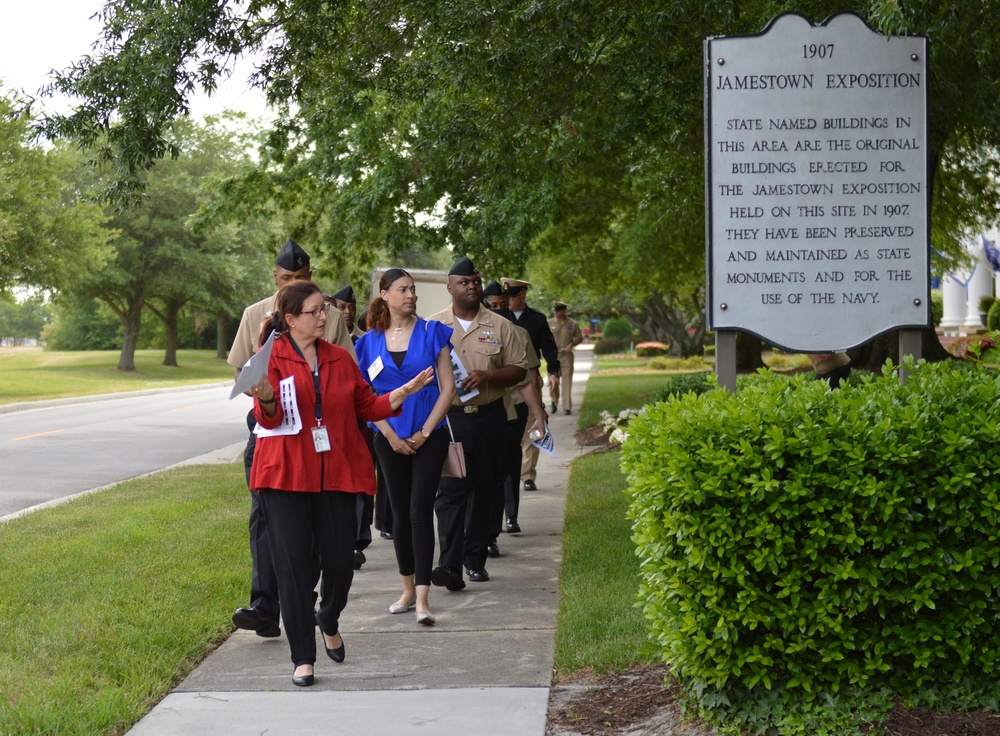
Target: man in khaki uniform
292,264
494,359
567,334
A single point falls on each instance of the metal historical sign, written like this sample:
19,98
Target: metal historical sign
816,183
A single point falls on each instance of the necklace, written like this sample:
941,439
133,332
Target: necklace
400,331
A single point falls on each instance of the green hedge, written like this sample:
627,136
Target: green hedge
610,345
800,546
618,327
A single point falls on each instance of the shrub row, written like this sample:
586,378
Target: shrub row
611,345
797,542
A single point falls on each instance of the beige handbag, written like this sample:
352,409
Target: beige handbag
454,461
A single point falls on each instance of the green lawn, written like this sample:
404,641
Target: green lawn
33,374
108,601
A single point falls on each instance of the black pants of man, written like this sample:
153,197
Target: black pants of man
465,506
263,582
300,525
413,481
366,503
512,465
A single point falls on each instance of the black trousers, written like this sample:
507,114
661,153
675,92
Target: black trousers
300,525
512,465
465,506
263,582
412,481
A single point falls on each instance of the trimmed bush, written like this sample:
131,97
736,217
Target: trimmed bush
618,327
683,383
609,345
993,317
650,349
800,546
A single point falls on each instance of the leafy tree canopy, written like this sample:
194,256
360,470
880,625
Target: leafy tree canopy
47,230
485,125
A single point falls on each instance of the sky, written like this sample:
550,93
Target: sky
37,36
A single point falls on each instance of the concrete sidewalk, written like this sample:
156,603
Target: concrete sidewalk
485,667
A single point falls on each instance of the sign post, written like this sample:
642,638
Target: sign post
818,217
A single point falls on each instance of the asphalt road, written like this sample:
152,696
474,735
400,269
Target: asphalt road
50,452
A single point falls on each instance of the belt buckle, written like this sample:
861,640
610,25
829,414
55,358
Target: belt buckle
470,409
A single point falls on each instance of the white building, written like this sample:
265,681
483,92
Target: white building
963,289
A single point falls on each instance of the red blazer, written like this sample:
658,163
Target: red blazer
290,462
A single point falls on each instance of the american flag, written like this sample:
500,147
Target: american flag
992,254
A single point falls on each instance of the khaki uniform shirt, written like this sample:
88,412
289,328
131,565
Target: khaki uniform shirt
567,335
490,343
247,341
356,332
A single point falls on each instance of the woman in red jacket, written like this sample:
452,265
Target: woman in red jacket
310,463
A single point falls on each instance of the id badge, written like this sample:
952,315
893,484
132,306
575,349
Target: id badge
321,440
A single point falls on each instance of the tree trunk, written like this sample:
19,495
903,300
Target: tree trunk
170,311
131,324
681,327
221,333
748,348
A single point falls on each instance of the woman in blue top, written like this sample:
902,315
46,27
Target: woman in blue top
411,447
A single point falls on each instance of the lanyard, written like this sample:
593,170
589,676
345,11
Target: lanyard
315,372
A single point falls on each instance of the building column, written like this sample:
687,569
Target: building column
953,317
980,285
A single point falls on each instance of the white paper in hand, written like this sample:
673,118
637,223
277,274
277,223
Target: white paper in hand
546,444
254,369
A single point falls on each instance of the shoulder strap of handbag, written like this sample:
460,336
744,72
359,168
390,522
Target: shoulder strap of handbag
446,420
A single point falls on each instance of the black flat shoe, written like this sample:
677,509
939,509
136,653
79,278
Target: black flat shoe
304,681
337,655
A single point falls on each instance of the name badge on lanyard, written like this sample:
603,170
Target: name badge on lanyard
321,439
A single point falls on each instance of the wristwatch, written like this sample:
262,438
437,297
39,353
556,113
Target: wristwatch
424,433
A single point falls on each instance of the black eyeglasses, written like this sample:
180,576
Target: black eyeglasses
325,309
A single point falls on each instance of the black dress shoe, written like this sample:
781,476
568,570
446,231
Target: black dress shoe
444,576
554,409
252,619
304,681
567,412
359,559
493,549
513,527
456,585
529,485
269,630
479,576
385,535
337,655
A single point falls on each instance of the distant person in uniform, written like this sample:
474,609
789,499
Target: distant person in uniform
291,264
307,479
537,326
567,335
345,303
489,351
831,367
